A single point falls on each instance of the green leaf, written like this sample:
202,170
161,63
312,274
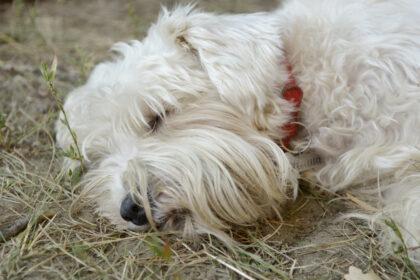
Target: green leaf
2,121
48,72
72,153
76,176
160,248
45,71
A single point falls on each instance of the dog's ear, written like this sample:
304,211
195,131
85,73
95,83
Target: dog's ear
240,53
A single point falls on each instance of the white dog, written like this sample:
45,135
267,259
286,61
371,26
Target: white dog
184,130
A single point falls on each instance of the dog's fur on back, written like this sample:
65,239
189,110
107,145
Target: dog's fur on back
190,119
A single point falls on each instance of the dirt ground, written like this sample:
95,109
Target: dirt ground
311,243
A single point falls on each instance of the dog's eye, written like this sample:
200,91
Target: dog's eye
155,122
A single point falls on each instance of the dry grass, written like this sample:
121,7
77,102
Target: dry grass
67,244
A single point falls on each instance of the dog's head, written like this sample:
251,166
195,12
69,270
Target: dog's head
195,119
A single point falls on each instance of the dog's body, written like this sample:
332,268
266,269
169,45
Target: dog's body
190,119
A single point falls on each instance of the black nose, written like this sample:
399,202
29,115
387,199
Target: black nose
132,212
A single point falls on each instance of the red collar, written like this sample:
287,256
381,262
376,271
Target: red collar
294,94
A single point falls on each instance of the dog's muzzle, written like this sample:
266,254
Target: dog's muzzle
132,212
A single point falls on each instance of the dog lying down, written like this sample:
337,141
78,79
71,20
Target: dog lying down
191,129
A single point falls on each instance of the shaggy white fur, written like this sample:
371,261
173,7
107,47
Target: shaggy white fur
189,119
